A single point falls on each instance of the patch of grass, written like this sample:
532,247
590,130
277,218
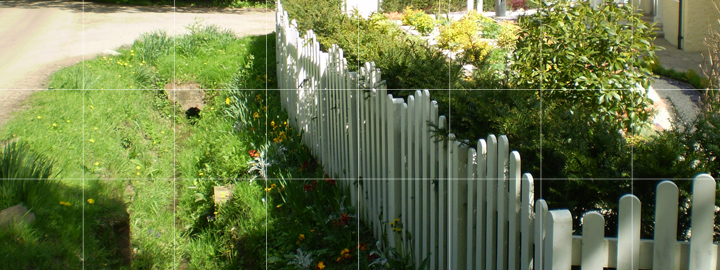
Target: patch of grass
693,78
118,146
151,173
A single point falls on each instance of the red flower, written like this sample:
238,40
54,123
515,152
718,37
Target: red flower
362,246
329,180
343,220
254,153
308,188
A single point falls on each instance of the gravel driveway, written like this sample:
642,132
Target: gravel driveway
40,37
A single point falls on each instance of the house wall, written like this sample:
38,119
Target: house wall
698,17
670,20
644,5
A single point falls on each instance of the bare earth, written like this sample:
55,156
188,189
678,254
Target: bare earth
40,37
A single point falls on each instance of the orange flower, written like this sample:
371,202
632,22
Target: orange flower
254,153
362,246
320,265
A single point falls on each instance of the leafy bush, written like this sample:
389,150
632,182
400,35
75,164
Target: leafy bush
507,36
406,61
573,46
427,5
418,19
459,34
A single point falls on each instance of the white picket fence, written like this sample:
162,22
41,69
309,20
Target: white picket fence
465,208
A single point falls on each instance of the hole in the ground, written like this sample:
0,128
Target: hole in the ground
193,113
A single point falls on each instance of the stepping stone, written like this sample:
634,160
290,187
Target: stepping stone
15,214
188,95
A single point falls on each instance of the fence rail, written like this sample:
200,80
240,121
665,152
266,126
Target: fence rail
463,208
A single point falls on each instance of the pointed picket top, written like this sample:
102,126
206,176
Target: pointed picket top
702,221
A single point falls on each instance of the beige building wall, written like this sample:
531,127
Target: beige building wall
670,20
698,17
644,5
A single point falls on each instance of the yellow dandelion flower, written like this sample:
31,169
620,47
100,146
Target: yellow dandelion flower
54,125
227,101
92,107
138,167
200,174
92,141
138,173
97,163
119,76
68,121
39,117
91,201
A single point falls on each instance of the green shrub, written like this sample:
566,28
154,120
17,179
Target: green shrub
459,34
566,47
417,18
406,61
507,35
427,5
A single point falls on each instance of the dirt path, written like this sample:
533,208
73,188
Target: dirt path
40,37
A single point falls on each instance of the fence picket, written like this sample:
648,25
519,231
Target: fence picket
666,215
513,213
472,172
702,219
526,222
541,213
480,205
425,167
417,176
491,198
464,208
433,191
502,194
442,198
558,248
629,237
593,241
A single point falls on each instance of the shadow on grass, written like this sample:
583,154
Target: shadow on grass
69,235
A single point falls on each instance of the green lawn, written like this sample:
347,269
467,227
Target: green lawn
132,177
